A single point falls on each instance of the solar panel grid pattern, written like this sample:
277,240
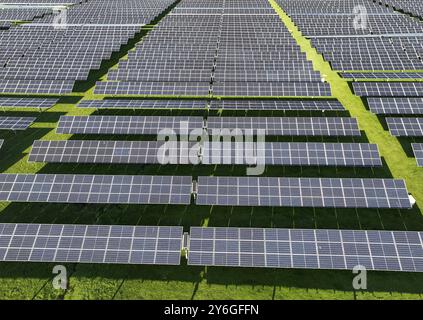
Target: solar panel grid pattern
122,152
90,244
36,86
396,105
149,125
306,248
272,89
382,75
15,123
353,49
27,103
291,154
332,105
405,127
153,88
97,27
418,153
65,188
142,104
184,45
290,126
386,89
302,192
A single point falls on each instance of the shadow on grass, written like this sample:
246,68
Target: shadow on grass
69,99
315,279
406,144
208,170
16,143
95,75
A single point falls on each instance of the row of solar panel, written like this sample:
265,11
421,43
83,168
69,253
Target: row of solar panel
330,105
221,191
398,52
275,89
230,89
214,246
44,103
351,44
223,126
186,53
39,50
156,152
388,89
15,123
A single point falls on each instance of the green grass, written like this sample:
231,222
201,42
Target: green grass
33,281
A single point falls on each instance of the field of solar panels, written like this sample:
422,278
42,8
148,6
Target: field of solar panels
333,87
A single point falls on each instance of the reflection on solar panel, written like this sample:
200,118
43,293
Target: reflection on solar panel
127,124
64,188
288,126
75,151
418,153
388,89
1,143
277,105
292,154
302,192
405,127
264,76
90,244
143,104
15,123
396,105
27,103
306,248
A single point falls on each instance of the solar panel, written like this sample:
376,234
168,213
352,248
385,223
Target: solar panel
185,75
150,125
405,127
27,102
418,153
396,105
123,152
302,192
388,89
291,154
63,188
143,104
313,126
272,89
333,105
90,244
306,248
37,86
15,123
153,88
241,74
